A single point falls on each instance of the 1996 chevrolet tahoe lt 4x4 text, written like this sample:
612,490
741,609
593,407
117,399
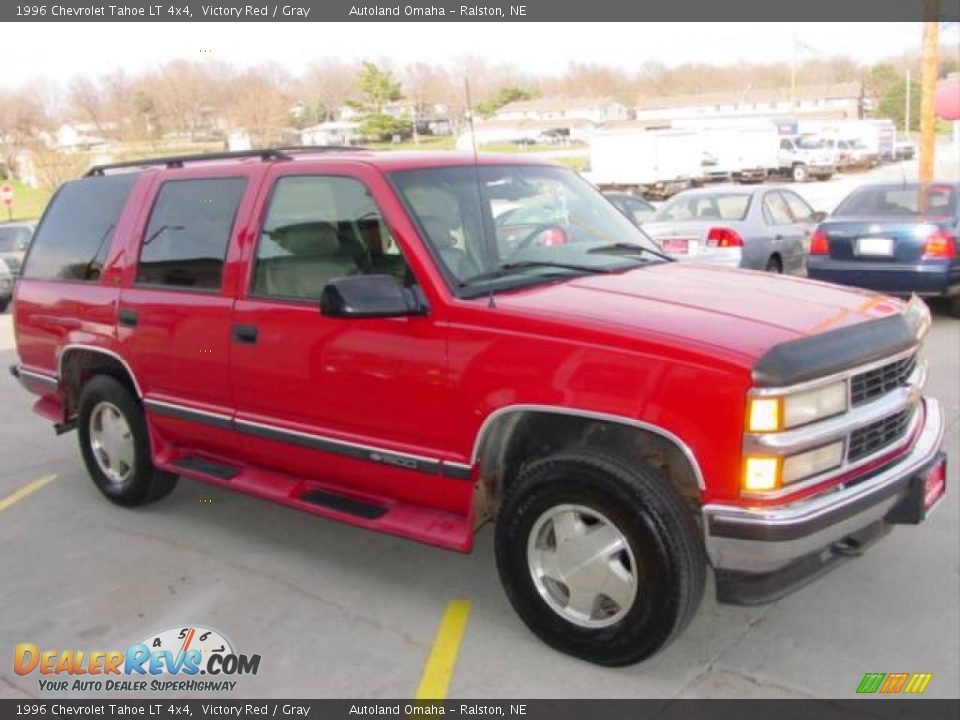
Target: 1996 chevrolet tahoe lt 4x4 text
420,343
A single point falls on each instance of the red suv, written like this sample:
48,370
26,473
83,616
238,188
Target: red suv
422,343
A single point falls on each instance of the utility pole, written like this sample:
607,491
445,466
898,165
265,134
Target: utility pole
906,111
793,76
928,119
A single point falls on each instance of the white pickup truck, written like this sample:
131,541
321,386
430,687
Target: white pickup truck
801,158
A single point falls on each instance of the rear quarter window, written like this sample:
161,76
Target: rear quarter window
75,233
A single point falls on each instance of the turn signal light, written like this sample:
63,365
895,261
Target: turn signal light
761,474
940,244
819,243
719,237
764,415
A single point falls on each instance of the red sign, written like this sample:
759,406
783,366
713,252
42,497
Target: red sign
947,100
6,194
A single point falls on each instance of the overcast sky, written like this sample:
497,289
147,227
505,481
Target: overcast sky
59,51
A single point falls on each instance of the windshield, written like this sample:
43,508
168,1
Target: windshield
899,201
14,239
712,206
519,223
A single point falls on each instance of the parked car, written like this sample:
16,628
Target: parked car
801,158
14,242
904,150
635,208
760,228
877,238
352,335
6,285
852,153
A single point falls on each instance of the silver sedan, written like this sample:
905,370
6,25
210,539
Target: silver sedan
761,228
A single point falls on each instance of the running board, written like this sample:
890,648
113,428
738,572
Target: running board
427,525
193,463
345,504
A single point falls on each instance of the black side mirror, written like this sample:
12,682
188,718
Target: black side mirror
370,296
818,217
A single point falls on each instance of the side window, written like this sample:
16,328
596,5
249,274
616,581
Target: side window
186,239
318,228
775,210
798,207
786,145
638,210
77,229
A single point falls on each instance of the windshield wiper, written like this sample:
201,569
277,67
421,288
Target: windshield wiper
510,268
623,248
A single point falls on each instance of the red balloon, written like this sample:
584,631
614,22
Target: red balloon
947,100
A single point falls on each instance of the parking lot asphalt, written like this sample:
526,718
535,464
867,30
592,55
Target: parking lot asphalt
336,611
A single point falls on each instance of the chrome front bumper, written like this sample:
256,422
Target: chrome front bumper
800,539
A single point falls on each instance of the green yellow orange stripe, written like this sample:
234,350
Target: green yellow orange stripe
893,683
25,491
443,657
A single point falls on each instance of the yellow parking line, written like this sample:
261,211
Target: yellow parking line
443,656
23,492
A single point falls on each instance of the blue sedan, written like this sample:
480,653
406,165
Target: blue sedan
896,238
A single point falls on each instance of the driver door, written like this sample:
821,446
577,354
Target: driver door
323,397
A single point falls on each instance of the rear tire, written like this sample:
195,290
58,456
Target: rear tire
800,173
115,445
774,266
600,557
3,306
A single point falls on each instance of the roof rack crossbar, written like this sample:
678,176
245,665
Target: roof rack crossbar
178,161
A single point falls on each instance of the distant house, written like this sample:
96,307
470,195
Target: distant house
563,108
832,101
338,132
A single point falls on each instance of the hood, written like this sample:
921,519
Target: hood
736,314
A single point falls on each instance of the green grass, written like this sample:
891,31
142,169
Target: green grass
28,202
443,142
574,163
509,147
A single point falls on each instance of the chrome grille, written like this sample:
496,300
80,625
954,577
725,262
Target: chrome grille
879,381
877,435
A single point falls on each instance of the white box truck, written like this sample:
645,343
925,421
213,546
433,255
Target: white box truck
655,163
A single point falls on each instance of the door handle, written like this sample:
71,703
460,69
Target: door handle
246,334
127,317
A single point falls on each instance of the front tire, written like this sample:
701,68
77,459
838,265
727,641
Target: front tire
774,266
3,306
599,556
116,447
800,173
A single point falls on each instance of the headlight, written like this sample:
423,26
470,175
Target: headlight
813,462
771,414
763,474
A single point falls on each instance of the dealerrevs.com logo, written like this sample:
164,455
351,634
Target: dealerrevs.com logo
168,661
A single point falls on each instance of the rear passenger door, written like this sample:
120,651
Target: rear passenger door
355,402
803,220
175,311
785,236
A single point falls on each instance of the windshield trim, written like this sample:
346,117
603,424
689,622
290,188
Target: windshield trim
511,282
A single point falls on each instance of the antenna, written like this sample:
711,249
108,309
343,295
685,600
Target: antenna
476,175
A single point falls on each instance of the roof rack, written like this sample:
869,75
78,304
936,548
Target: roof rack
178,161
